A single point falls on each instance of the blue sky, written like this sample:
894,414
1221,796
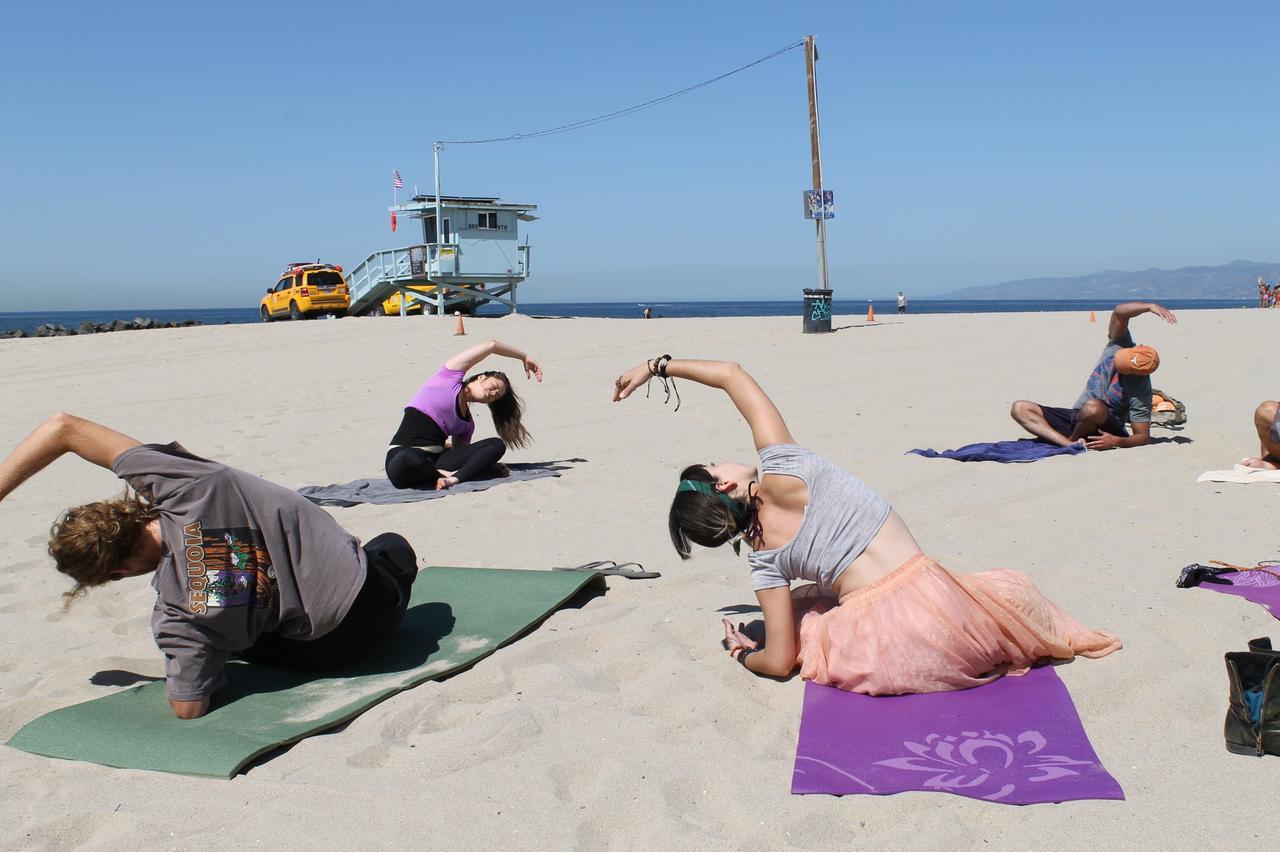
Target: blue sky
160,155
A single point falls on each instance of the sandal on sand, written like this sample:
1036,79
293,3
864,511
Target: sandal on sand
1195,574
612,569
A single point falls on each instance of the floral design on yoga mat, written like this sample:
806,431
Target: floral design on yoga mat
973,760
1256,579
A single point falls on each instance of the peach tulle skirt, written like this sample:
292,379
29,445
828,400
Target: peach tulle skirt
924,629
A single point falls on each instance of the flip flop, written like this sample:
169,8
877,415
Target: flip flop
609,568
1195,574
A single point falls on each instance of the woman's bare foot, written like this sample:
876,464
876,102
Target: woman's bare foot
445,482
1264,463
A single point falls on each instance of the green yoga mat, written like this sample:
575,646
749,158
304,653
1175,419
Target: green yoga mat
456,617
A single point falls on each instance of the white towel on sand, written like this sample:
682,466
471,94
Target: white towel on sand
1240,473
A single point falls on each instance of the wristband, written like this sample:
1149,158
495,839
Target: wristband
658,370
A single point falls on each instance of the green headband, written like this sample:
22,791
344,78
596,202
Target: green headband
703,488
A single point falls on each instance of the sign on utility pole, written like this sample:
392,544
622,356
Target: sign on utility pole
819,205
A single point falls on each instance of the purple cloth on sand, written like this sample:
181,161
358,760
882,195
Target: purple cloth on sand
1016,740
1259,587
1022,450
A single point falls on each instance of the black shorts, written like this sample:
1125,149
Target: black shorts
1063,420
374,615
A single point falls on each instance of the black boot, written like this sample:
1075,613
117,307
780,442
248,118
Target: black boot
1253,671
1262,646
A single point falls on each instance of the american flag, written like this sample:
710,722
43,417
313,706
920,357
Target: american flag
396,181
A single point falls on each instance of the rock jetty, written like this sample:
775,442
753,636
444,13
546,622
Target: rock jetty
137,323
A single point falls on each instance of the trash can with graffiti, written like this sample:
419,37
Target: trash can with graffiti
817,311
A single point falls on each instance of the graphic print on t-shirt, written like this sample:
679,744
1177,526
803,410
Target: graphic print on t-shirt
227,567
1104,383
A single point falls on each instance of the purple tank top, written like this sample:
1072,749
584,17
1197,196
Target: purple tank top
438,399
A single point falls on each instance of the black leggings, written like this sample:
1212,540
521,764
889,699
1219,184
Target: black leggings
411,467
376,613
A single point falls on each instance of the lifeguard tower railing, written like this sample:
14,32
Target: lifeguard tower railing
433,274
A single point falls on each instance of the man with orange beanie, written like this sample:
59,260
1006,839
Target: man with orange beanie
1118,391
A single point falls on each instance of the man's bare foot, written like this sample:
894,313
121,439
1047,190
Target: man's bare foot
1264,463
445,482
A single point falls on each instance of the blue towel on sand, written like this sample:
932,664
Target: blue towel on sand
1005,452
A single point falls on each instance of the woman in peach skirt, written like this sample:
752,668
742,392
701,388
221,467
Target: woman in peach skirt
903,623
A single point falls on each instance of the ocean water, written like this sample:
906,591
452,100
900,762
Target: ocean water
845,307
28,321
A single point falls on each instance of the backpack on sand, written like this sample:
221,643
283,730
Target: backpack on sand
1167,411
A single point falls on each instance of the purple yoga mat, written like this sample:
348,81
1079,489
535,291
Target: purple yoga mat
1257,586
1016,740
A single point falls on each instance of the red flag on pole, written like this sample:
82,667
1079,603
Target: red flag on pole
393,220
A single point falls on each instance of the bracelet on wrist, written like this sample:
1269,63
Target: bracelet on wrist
744,653
658,370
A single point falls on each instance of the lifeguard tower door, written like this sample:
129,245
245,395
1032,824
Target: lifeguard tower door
429,230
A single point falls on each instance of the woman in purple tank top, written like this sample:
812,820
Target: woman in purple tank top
881,617
433,447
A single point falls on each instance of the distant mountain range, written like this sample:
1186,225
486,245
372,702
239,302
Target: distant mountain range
1238,279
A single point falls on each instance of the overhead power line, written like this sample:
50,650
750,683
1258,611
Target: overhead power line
610,116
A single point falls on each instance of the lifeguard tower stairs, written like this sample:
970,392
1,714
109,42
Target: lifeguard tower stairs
474,257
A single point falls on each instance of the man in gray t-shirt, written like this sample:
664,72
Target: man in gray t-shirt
1118,392
239,552
240,566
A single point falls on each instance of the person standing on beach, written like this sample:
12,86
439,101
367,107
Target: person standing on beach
879,617
1266,419
902,303
433,448
647,312
240,566
1118,390
1264,293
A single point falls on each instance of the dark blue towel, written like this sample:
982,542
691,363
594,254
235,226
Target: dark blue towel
1023,450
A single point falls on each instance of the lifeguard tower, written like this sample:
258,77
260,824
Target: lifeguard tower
470,254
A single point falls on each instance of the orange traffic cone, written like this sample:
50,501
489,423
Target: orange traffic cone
871,312
1093,317
461,330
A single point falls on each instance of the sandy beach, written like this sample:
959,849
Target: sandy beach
623,724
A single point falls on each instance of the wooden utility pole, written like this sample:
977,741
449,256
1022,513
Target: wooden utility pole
810,57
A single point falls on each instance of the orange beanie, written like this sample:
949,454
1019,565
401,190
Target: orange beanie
1137,360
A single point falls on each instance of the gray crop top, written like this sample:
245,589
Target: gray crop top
842,518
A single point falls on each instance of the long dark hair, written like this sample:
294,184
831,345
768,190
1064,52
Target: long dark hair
699,518
507,411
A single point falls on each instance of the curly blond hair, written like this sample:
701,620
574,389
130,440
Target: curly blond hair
88,542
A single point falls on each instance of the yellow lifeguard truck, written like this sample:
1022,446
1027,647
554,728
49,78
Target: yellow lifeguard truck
413,303
306,290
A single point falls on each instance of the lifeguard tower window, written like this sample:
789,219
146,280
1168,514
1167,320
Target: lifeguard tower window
488,220
429,227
